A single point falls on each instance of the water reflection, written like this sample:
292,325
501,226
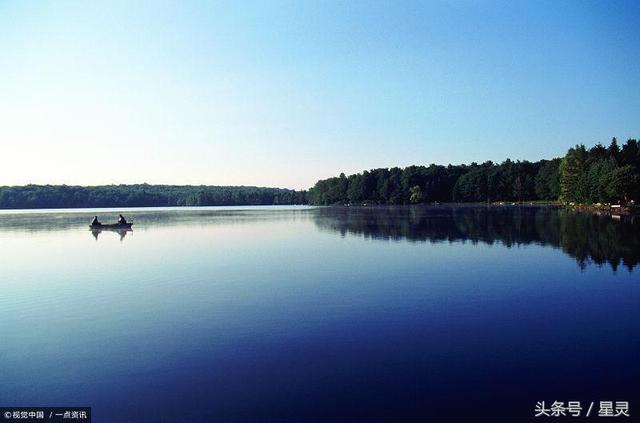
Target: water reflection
121,232
144,218
269,315
587,237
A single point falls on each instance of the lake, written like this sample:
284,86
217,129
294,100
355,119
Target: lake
319,314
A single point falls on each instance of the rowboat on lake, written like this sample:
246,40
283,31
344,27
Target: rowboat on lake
112,226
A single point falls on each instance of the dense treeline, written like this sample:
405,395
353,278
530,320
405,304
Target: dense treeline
142,195
508,181
599,174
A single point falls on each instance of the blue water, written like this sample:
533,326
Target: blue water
303,314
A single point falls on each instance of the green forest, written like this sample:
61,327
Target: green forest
585,176
142,195
600,174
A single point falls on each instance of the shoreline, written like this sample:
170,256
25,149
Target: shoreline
610,209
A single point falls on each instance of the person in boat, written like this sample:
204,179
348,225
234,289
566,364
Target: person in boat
122,220
95,221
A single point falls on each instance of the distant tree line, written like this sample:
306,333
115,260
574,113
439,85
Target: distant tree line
600,174
142,195
507,181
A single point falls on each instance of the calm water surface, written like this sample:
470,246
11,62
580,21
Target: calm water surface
301,314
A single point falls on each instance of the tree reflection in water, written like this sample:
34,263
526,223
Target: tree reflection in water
588,237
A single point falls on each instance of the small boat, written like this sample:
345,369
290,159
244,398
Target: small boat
112,226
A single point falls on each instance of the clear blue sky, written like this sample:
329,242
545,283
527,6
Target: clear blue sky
284,93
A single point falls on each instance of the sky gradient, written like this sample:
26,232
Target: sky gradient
285,93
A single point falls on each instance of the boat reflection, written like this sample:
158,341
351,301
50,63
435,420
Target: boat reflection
119,231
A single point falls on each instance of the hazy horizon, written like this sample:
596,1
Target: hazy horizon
336,173
281,94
